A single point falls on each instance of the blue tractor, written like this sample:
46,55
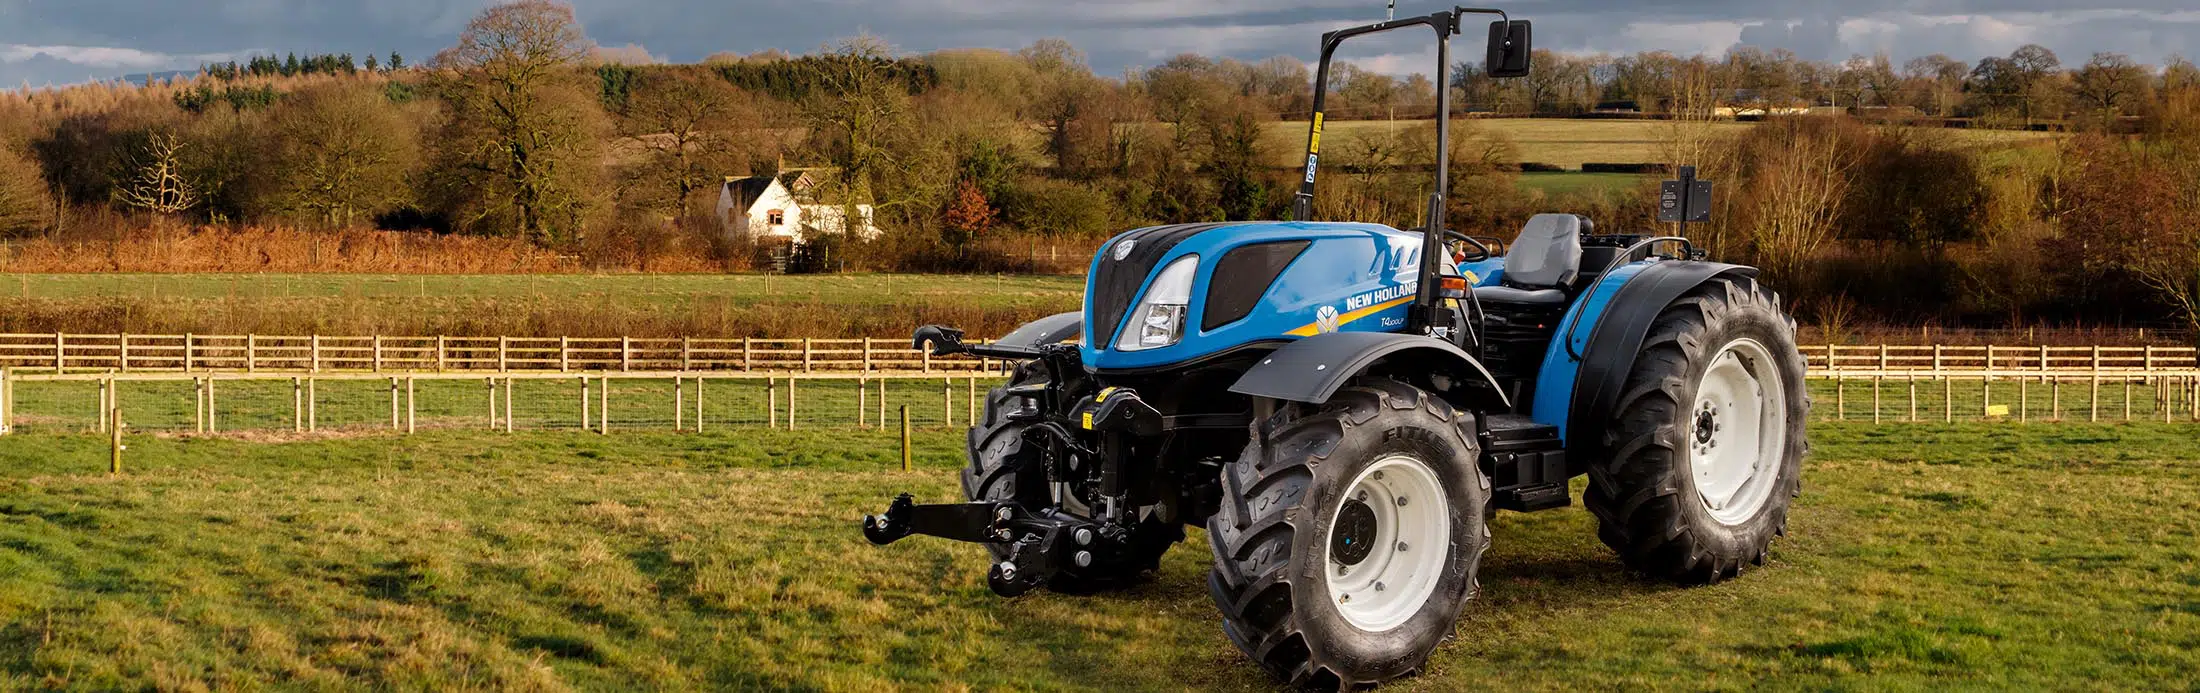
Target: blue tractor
1343,407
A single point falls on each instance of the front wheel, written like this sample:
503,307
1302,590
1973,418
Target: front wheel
1349,535
1709,441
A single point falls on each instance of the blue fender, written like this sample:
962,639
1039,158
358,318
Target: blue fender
1588,361
1312,369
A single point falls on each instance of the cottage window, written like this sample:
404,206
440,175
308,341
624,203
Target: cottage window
776,218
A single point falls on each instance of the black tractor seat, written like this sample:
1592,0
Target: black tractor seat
1541,263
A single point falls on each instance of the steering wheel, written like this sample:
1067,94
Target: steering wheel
1470,242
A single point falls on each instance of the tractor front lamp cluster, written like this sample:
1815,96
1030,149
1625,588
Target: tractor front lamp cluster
1160,315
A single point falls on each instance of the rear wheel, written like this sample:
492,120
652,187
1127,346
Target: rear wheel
1349,535
1003,466
1709,443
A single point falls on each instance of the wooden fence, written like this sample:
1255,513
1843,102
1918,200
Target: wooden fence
75,353
69,353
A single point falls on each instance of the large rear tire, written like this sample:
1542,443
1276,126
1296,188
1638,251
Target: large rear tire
1004,467
1708,446
1349,535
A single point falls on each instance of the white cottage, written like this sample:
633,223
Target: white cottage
783,208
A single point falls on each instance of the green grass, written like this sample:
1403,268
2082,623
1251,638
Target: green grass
1576,183
523,305
1968,556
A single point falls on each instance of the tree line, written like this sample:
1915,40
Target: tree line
524,129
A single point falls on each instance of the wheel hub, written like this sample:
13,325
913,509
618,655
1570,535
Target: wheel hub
1739,439
1354,537
1388,539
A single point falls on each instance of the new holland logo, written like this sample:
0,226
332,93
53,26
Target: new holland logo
1123,249
1325,320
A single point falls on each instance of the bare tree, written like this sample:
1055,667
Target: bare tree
694,129
22,193
2110,84
521,140
157,183
342,154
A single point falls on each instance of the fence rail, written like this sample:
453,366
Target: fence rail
67,353
134,353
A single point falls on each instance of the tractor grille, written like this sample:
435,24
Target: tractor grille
1116,283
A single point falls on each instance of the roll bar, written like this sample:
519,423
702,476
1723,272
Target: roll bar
1508,57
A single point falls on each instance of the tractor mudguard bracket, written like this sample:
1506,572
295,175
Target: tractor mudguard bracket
1311,370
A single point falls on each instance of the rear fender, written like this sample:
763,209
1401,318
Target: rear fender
1311,370
1579,387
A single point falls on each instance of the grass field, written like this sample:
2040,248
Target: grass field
1968,557
521,305
1564,142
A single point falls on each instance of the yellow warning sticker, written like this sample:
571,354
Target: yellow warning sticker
1088,421
1471,279
1314,146
1103,397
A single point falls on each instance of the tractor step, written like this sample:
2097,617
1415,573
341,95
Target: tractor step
1526,463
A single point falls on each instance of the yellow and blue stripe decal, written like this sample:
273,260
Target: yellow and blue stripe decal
1314,328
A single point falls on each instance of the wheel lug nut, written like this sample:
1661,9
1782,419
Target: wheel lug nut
1344,599
1378,475
1362,497
1401,501
1378,587
1401,546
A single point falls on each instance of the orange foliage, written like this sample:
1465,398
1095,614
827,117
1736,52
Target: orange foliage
169,249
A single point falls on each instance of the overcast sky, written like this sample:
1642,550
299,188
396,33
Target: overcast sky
63,41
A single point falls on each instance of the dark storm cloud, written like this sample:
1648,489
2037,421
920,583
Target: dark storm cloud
71,40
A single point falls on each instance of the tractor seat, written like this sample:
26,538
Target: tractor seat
1542,262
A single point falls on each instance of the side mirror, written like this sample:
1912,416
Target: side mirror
1510,47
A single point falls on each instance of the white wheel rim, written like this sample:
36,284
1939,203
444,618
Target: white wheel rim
1737,432
1403,555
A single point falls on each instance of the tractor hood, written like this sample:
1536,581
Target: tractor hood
1239,285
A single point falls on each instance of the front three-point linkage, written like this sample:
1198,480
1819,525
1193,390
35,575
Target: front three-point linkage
1040,543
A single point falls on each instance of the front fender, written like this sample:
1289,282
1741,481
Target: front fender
1052,329
1311,370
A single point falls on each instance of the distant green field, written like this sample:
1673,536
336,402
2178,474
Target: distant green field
1923,557
853,289
1563,141
1575,183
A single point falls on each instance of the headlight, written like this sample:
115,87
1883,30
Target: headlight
1159,319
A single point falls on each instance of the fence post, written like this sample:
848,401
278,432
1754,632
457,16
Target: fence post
863,398
316,367
393,405
947,401
584,401
1986,399
626,353
213,413
1840,397
905,437
114,447
104,387
507,404
2095,399
679,403
251,353
881,402
805,355
122,352
198,405
504,353
565,363
60,347
603,405
2127,396
7,400
190,349
411,412
698,403
1948,398
971,398
687,352
771,403
378,353
297,406
1875,395
866,356
2054,398
746,348
2024,398
491,384
440,350
313,413
790,403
